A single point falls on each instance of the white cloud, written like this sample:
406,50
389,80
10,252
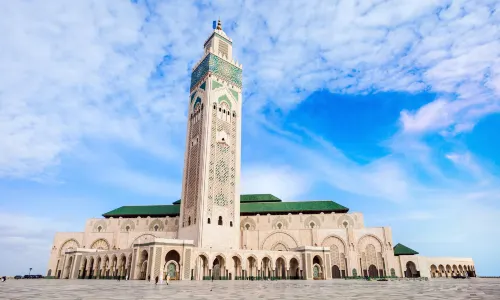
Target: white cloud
282,181
83,71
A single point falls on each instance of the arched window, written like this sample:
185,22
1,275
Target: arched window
189,221
127,228
220,109
220,221
215,106
345,224
156,227
279,225
99,229
231,224
312,224
208,220
247,226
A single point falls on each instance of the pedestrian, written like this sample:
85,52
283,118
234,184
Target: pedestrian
119,278
149,278
168,278
156,280
126,277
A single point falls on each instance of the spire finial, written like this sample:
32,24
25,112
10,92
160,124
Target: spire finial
219,25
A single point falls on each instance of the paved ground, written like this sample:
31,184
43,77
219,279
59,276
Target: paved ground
338,289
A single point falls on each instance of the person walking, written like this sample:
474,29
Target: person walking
156,280
168,278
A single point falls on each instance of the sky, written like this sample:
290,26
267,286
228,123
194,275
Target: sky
390,108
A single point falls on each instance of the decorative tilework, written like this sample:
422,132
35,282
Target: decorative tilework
157,262
203,85
216,85
192,96
198,100
219,67
235,94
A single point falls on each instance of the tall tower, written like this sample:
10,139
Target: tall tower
210,207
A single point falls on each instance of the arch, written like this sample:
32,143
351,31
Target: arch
393,272
411,270
143,264
156,225
333,239
237,266
248,221
127,223
49,272
313,219
279,236
173,255
280,246
201,266
219,267
365,239
143,238
294,268
336,272
251,262
101,244
280,223
224,100
172,269
101,224
434,271
69,244
372,271
281,267
345,218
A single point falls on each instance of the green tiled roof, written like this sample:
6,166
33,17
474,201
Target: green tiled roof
249,205
291,207
145,210
401,249
259,198
251,198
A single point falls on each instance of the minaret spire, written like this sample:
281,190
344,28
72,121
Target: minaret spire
219,25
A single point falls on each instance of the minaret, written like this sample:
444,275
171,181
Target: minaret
210,208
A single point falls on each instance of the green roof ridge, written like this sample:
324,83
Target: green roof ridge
401,249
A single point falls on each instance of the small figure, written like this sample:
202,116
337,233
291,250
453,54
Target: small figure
4,278
156,280
126,277
168,278
149,278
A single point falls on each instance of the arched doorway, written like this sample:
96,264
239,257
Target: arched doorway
317,268
143,265
237,267
201,267
216,269
172,262
434,271
280,268
336,272
411,270
294,269
265,267
251,267
372,271
67,270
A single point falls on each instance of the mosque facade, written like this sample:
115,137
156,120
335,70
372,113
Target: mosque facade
216,233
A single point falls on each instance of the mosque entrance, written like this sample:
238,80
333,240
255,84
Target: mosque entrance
336,272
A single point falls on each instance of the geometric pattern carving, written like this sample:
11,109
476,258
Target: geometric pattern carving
156,225
222,163
248,224
142,239
193,166
127,226
70,244
100,244
187,263
157,262
337,250
280,223
370,250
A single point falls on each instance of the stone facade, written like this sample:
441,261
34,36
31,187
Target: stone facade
207,236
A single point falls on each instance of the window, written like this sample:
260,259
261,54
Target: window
279,225
220,109
224,111
127,228
156,227
312,224
208,220
247,226
99,229
234,115
345,224
215,106
220,221
231,224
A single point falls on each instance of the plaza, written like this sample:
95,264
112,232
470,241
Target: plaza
474,288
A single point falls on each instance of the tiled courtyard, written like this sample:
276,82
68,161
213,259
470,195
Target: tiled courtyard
331,289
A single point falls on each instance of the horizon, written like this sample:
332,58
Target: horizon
384,108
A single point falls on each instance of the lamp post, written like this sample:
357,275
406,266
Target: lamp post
30,272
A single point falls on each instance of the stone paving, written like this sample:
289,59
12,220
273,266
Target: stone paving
332,289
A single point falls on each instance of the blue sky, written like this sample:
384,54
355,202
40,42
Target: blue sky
387,107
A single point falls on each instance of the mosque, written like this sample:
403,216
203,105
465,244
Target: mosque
213,232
